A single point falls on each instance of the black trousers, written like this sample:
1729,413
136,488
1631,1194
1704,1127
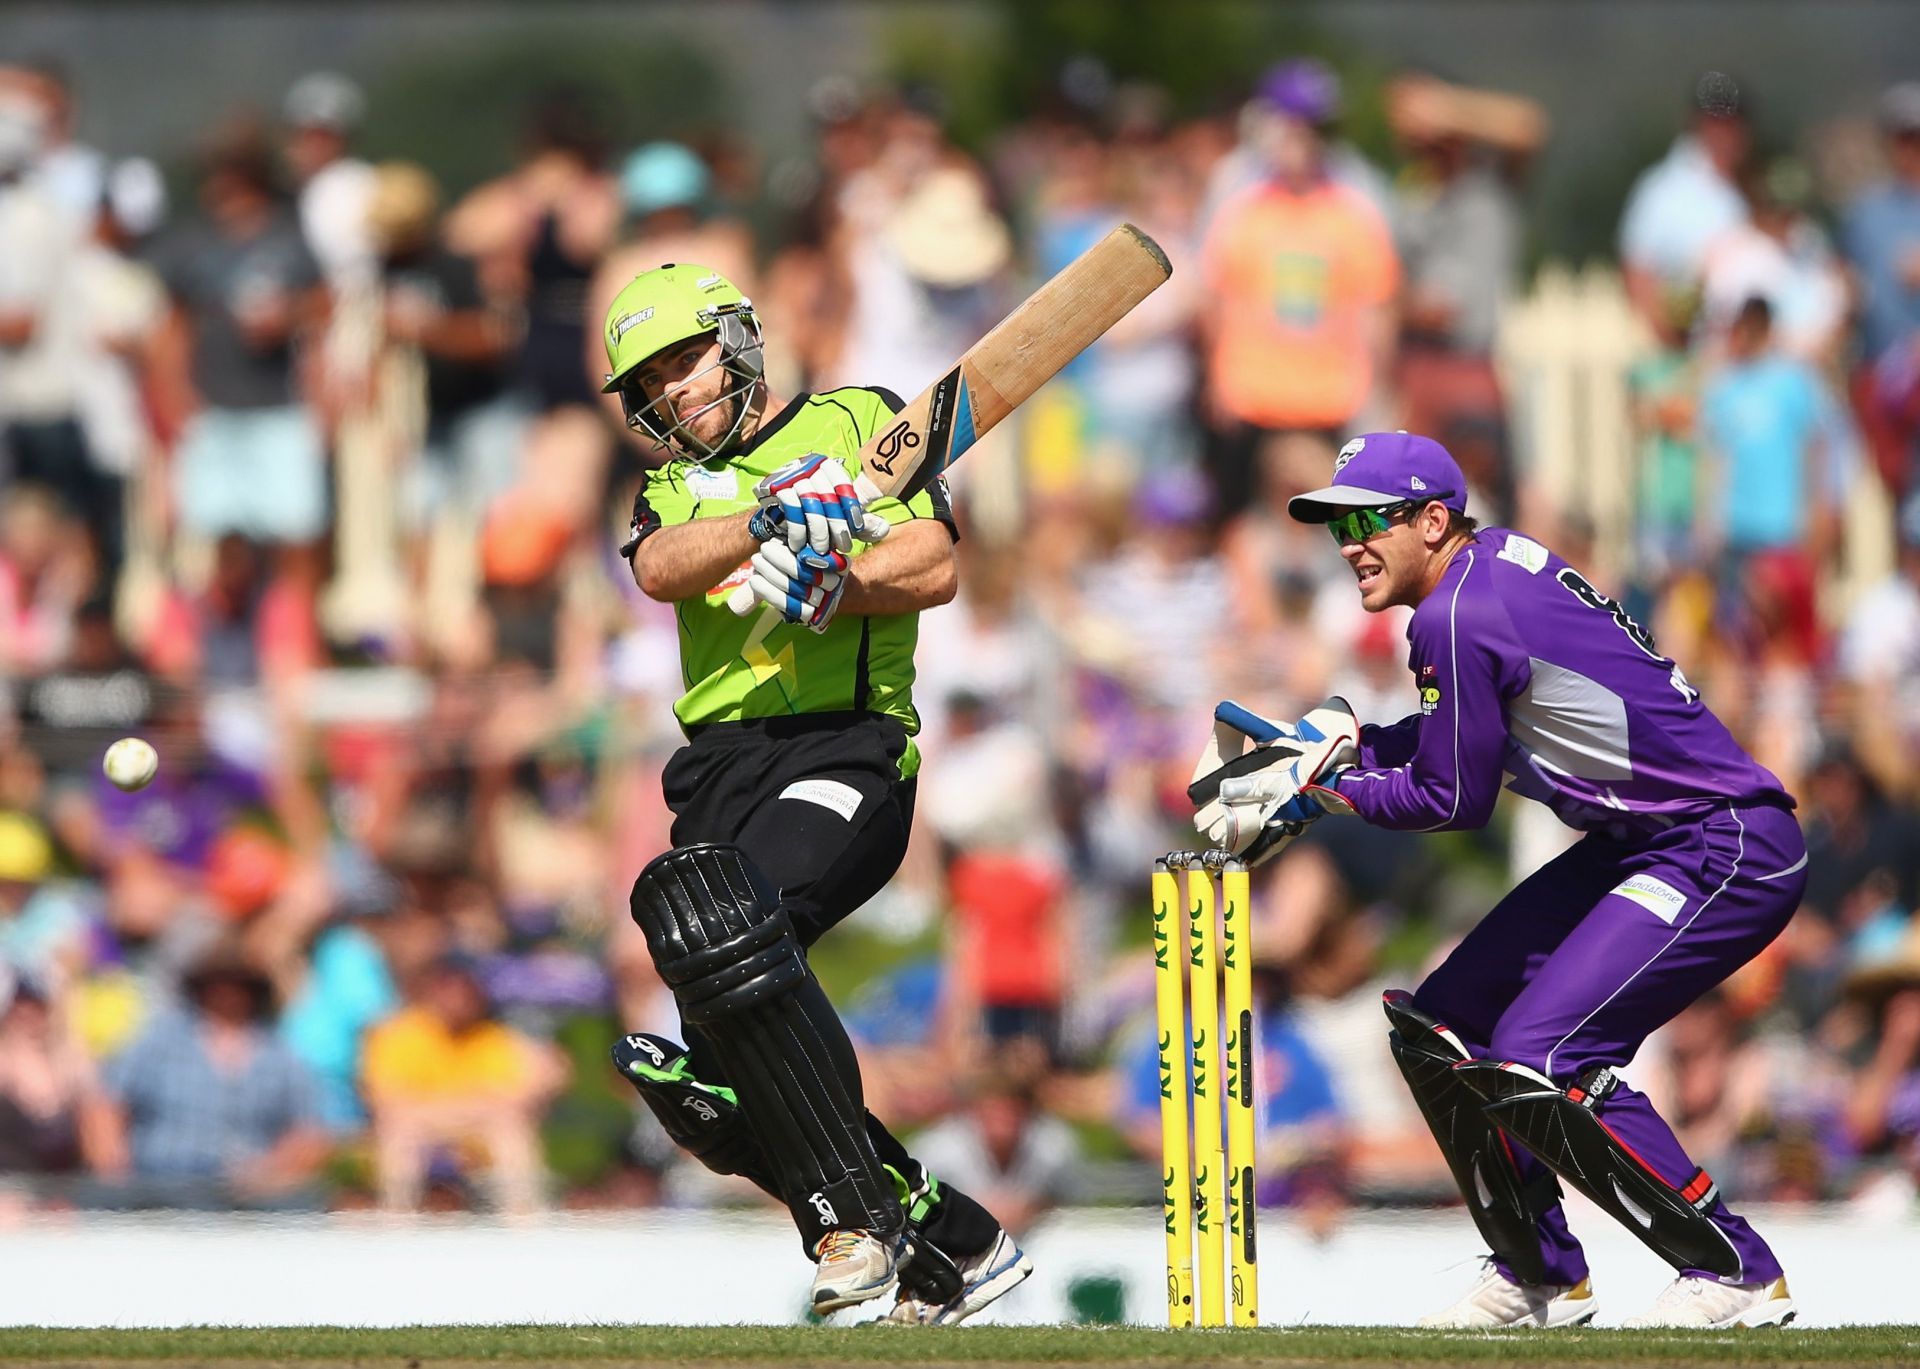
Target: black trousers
817,802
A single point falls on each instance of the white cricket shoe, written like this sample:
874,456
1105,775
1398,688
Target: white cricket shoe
1698,1301
854,1266
1497,1301
989,1275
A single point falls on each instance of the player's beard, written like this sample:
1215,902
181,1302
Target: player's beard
726,404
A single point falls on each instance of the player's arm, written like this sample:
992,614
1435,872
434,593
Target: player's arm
1385,746
913,569
1454,775
688,559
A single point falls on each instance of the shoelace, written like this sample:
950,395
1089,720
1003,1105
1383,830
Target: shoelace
838,1245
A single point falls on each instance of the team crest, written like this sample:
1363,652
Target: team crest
1347,453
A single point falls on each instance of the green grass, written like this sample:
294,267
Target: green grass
792,1345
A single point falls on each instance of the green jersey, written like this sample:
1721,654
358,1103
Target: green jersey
761,666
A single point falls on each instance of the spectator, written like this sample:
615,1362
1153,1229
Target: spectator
1002,1147
1663,387
41,323
210,1108
433,305
445,1076
1777,472
1009,951
322,110
45,574
245,291
1780,255
921,251
52,1111
1879,659
1299,275
1300,81
323,947
536,234
74,174
1679,206
1459,227
122,306
1881,235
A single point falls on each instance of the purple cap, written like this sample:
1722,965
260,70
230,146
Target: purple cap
1302,87
1378,469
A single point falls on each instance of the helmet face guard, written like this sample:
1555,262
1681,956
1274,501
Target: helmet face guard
742,355
672,305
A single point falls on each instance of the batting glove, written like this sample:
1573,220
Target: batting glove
822,508
805,585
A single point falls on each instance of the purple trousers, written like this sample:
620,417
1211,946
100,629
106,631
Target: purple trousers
1603,944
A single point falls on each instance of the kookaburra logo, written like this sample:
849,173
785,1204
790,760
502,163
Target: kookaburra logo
702,1109
828,1217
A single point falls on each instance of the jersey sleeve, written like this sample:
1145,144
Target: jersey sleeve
662,499
1382,747
1464,653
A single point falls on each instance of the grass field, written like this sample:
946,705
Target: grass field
311,1347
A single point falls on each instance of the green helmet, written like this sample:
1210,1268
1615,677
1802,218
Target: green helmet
671,304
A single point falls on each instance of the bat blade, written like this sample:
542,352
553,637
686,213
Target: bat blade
1002,370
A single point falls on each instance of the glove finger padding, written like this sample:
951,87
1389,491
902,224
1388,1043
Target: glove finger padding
1252,802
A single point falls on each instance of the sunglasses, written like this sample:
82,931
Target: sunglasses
1362,524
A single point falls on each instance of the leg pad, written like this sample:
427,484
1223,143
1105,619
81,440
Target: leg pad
1504,1206
1563,1126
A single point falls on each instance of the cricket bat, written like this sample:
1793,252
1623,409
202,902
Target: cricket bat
1001,371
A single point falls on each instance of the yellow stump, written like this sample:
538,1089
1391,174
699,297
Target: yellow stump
1169,966
1209,1161
1236,911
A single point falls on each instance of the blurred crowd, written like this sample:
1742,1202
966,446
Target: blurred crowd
304,476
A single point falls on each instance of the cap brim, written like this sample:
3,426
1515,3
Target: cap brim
1323,506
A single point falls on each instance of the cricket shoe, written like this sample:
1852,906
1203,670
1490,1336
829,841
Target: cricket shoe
1497,1301
854,1266
988,1276
1698,1300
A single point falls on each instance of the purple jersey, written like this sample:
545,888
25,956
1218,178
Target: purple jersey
1524,667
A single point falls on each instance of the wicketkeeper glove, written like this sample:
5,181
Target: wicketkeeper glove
1260,782
820,507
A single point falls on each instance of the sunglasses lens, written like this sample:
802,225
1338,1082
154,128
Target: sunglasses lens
1357,526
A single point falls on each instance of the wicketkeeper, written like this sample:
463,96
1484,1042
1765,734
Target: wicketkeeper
794,794
1692,862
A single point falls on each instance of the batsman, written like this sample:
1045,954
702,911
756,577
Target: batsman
794,794
1691,863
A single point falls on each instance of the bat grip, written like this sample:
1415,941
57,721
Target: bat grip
741,600
1233,715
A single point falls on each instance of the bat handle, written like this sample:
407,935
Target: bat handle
1233,715
741,600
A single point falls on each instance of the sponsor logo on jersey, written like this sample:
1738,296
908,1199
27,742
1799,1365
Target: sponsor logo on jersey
705,483
1429,699
1525,553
